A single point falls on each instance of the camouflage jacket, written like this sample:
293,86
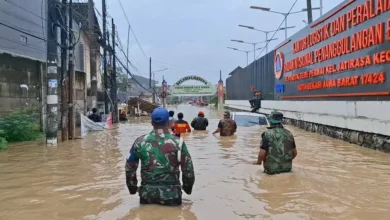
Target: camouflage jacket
279,143
160,164
200,123
227,127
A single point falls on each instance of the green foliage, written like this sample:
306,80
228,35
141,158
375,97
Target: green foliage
19,126
3,143
122,80
214,100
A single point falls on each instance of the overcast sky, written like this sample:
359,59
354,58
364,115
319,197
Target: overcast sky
190,37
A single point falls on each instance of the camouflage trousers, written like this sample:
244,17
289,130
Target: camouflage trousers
163,195
272,172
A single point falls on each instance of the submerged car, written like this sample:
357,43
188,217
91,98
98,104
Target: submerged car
250,119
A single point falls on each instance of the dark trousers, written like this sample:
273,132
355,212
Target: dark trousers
255,109
252,102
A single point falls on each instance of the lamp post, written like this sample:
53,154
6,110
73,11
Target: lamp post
254,46
282,13
245,51
265,32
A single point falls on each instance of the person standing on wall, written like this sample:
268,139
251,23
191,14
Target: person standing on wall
257,102
180,126
277,147
252,100
200,123
161,155
226,126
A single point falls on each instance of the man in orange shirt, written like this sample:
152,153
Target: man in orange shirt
180,126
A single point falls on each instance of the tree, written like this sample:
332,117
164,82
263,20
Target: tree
122,80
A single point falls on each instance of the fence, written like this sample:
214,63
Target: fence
259,74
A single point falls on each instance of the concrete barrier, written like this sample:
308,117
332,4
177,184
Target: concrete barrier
364,116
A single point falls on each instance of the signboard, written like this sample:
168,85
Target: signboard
187,78
279,88
343,55
199,90
181,90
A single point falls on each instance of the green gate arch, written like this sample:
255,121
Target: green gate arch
192,77
207,89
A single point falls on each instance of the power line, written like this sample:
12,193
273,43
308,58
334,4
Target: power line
18,6
19,17
120,46
285,17
24,32
132,30
128,72
185,68
27,45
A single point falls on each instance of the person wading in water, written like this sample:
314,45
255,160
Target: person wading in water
277,148
180,126
200,123
161,155
95,117
226,126
171,118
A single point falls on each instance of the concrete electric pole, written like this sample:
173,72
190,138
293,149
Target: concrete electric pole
64,74
105,58
71,93
52,101
115,114
92,53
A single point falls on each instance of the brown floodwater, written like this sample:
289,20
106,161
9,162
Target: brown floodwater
84,179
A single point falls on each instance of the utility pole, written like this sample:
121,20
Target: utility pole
92,52
309,12
127,63
52,101
105,58
115,115
150,73
150,82
71,93
64,75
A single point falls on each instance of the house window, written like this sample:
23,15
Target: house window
23,39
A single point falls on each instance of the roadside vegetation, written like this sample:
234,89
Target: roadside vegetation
19,126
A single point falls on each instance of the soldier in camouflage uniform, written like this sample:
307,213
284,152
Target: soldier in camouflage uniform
226,126
277,148
161,155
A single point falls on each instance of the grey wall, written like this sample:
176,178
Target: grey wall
15,72
29,16
238,85
291,88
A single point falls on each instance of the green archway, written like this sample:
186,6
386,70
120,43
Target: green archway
193,90
188,78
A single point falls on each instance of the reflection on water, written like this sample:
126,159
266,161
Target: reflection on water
84,179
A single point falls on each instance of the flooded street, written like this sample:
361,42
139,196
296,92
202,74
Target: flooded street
85,179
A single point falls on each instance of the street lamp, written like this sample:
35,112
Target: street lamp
281,13
254,46
245,51
265,32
